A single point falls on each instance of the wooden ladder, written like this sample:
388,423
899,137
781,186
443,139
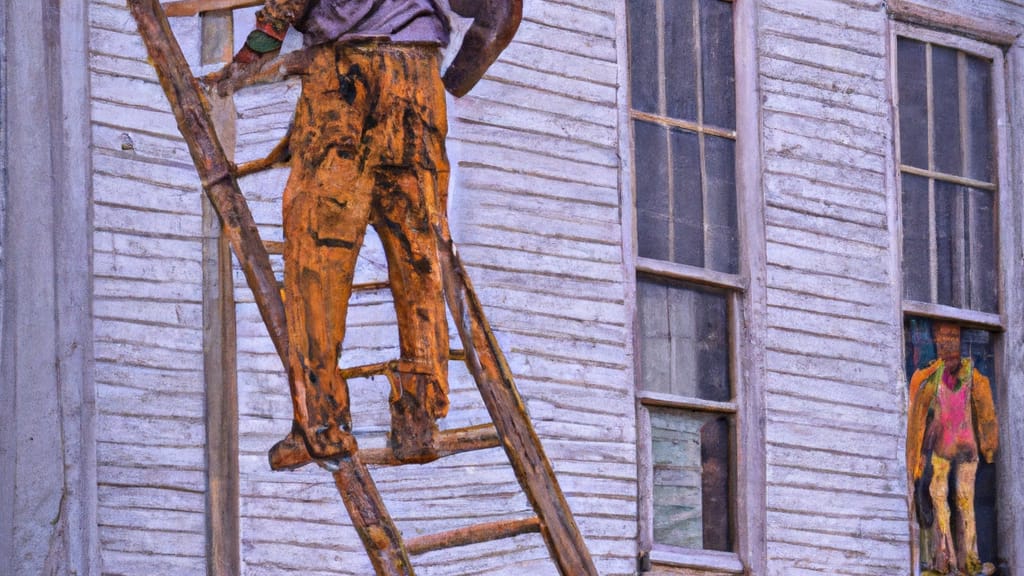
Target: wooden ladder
511,426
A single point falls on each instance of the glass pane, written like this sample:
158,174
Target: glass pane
652,192
913,103
916,243
939,404
946,111
982,261
643,55
680,60
684,340
949,234
979,120
718,65
687,199
722,245
692,467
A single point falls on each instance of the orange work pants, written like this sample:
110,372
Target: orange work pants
368,147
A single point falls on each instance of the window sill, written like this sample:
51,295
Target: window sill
705,560
973,317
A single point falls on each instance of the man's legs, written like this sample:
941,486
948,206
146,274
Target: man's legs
944,556
966,534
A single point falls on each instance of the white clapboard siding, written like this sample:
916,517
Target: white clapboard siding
836,494
147,312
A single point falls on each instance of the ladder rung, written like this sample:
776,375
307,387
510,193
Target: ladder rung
475,534
367,370
370,286
448,443
274,247
378,368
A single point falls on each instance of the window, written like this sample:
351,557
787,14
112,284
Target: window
949,92
690,283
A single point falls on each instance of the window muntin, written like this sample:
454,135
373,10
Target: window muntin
683,112
948,176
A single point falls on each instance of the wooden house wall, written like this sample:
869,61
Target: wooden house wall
536,210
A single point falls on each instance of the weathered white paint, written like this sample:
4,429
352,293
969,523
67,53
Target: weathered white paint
48,482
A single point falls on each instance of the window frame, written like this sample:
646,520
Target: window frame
746,303
969,36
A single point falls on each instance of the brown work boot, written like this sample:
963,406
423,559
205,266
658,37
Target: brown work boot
413,428
295,451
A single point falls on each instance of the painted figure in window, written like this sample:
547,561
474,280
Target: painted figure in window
368,147
952,423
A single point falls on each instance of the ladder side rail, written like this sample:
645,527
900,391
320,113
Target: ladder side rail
487,363
381,538
191,110
376,529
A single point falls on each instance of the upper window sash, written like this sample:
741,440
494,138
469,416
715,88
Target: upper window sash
928,173
684,138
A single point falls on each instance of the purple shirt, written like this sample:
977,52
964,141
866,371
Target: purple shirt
399,20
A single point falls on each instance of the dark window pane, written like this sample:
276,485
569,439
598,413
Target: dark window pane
979,347
688,201
949,233
692,465
916,243
722,245
982,261
656,336
652,192
643,54
684,340
946,112
718,66
913,103
979,120
680,60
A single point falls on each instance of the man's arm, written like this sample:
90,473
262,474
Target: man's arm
922,391
272,24
985,421
262,44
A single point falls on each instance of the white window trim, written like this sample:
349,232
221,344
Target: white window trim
747,303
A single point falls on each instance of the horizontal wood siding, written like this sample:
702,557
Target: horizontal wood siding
836,494
148,311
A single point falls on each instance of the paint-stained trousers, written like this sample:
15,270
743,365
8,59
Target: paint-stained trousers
367,148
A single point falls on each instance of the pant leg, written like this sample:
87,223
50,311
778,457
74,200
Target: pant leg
944,556
404,218
966,534
326,209
409,131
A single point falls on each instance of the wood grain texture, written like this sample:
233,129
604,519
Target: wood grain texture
826,273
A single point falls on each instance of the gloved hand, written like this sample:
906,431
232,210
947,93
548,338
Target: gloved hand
262,44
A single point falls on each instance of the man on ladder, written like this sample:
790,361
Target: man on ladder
368,146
